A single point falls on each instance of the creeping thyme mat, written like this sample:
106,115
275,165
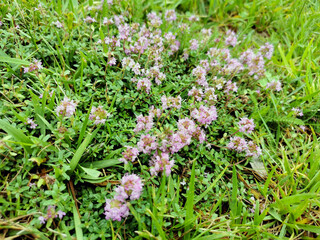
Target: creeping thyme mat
123,120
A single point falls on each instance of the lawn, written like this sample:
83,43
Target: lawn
158,119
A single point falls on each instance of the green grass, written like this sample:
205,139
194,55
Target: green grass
75,164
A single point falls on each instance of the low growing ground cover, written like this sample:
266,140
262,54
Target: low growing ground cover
154,120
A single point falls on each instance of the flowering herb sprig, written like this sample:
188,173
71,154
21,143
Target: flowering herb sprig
51,214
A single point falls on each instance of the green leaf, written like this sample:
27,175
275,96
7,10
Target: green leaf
17,134
14,60
190,201
77,223
91,172
102,164
158,226
37,160
234,200
78,154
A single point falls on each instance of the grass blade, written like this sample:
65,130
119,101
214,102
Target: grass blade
190,201
77,223
17,134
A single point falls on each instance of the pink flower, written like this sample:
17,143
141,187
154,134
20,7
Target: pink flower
98,115
127,62
274,85
237,143
161,163
246,125
178,140
30,121
130,154
42,220
183,27
36,65
205,64
213,52
66,108
115,210
89,20
171,102
224,54
297,111
118,19
154,72
206,32
124,31
193,18
170,37
107,21
185,55
147,143
187,125
154,20
61,214
200,74
267,50
132,186
51,213
247,56
112,61
253,150
170,15
144,123
155,111
231,38
232,67
144,84
256,66
205,115
209,95
174,47
194,44
199,134
196,93
230,86
58,24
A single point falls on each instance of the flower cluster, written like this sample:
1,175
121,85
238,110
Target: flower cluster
200,74
36,65
51,214
58,24
246,125
196,93
147,143
297,111
89,20
130,154
274,85
241,145
98,115
170,15
30,121
66,108
194,44
144,123
231,38
130,189
161,162
205,115
171,102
